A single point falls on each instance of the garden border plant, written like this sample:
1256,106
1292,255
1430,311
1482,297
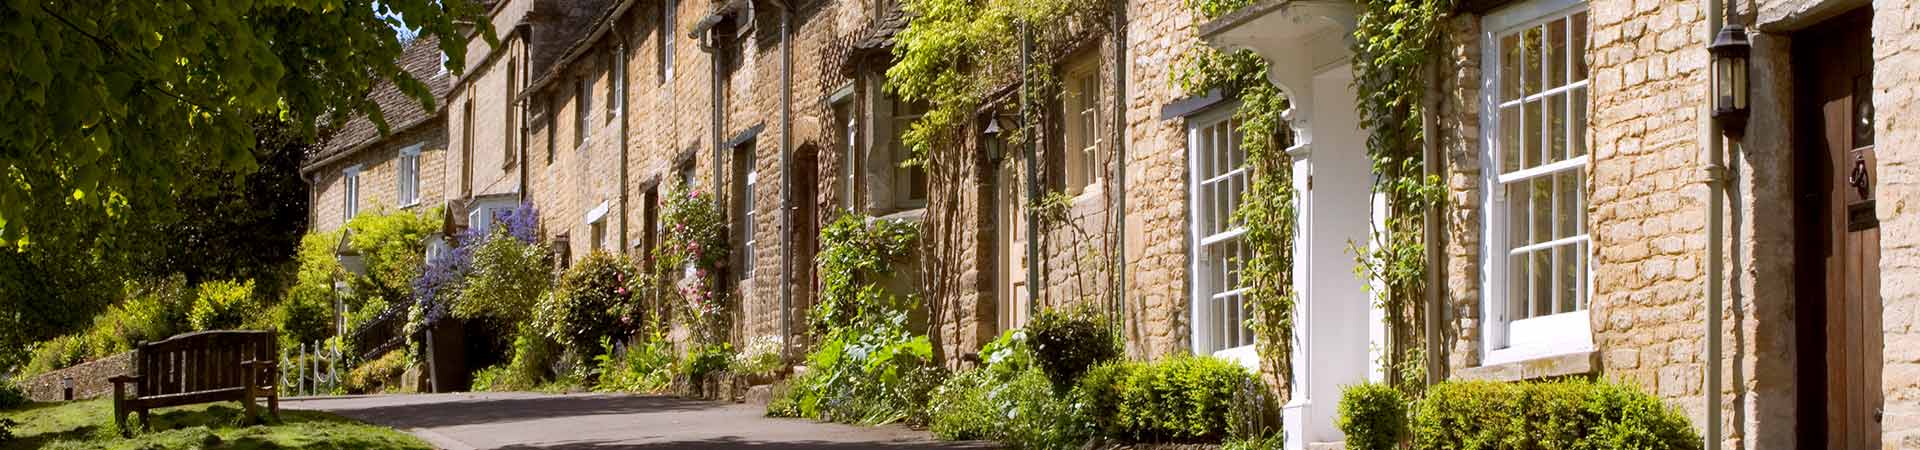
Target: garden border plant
870,365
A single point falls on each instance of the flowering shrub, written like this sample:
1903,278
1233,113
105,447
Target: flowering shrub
761,356
694,246
507,277
592,301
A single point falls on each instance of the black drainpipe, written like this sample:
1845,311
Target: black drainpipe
1120,167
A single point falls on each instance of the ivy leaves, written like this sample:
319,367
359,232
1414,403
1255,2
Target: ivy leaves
112,104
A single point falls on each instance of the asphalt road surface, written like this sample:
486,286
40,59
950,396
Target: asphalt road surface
526,421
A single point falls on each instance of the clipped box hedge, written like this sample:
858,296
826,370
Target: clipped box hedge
1181,399
1488,415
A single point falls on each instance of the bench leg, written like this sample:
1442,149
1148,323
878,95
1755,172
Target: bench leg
144,424
120,409
246,400
273,404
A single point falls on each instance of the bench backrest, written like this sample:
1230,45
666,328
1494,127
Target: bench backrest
200,361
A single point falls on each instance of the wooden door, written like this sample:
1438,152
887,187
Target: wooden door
1839,237
1012,249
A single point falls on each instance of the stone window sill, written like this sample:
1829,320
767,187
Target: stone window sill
1552,366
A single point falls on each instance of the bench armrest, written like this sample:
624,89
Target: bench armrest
122,379
268,364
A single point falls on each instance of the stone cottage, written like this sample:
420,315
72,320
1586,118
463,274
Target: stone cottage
361,168
1599,220
1602,222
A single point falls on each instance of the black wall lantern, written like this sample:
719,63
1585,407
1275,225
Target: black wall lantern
1730,50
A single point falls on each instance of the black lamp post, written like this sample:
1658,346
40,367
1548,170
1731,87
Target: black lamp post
1731,50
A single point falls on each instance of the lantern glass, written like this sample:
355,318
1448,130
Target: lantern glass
1738,65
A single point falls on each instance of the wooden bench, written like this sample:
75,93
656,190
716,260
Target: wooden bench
202,367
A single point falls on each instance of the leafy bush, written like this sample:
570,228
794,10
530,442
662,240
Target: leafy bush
1373,416
877,375
507,279
379,375
870,366
647,366
1066,344
590,303
393,245
299,318
532,365
856,249
1558,414
222,305
705,360
152,310
1009,400
486,379
11,396
1182,399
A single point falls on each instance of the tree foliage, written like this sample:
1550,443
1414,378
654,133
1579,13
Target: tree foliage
112,104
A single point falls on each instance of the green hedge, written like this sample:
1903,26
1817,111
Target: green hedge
1183,399
1373,416
1546,415
1067,344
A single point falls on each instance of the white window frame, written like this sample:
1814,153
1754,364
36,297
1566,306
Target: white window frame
596,220
617,84
898,153
1219,313
749,228
1083,135
407,180
1507,340
669,19
350,194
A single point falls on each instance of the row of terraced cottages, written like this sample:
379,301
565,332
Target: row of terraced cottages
1598,219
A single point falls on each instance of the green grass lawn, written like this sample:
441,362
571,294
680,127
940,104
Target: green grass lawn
89,425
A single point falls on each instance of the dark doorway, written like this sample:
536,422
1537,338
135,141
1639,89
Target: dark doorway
1838,237
806,240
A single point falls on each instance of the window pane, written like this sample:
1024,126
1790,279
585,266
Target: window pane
1569,209
1579,46
1542,208
1556,128
1509,139
1530,66
1542,282
1519,196
1510,55
1580,273
1517,294
1569,282
1530,135
1556,56
1579,136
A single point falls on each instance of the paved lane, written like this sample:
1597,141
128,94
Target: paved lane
526,421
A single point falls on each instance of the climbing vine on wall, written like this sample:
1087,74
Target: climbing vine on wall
955,54
1393,51
690,254
1267,208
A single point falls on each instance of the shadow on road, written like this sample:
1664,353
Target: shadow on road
479,410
